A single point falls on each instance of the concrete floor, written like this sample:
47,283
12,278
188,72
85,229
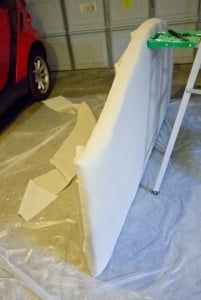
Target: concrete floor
80,83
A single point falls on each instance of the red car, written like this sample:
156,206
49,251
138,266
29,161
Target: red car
23,58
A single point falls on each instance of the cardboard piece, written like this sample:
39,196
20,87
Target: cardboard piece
53,181
34,201
63,159
61,104
42,190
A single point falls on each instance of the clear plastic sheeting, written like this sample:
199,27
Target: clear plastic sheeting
158,253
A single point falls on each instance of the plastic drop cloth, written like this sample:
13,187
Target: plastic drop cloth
158,254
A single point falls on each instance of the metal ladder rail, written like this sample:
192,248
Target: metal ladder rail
179,118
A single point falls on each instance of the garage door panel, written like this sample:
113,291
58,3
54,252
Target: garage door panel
176,10
128,13
90,50
84,15
46,16
57,51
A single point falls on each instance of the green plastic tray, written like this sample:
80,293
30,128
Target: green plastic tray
164,39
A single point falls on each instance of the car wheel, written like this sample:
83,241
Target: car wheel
39,76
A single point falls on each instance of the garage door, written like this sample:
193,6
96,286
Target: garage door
96,32
47,17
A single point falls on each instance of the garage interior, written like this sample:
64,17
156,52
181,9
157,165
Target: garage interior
158,253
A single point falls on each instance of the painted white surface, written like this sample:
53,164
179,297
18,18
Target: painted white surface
111,165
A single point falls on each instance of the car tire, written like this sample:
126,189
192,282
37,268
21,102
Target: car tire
39,76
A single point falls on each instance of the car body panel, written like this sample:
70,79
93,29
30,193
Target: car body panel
26,38
5,44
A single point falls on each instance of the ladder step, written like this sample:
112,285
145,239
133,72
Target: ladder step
195,91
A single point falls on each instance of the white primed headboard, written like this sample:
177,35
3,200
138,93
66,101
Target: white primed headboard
111,165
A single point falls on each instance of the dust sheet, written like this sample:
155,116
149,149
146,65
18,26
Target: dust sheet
157,255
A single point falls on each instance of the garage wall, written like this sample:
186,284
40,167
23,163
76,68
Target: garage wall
93,33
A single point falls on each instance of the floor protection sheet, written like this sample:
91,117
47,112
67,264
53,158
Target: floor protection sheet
158,253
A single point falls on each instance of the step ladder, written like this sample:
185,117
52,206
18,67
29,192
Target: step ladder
172,39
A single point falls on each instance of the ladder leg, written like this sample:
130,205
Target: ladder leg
178,121
171,142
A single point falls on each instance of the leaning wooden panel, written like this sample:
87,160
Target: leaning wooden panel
111,165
